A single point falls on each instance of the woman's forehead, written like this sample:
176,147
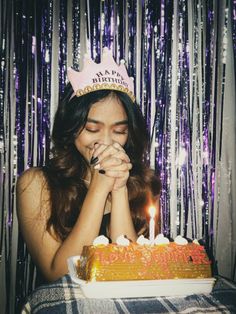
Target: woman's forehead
109,107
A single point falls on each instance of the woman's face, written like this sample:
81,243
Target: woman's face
107,123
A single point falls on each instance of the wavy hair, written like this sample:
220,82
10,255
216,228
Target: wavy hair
67,168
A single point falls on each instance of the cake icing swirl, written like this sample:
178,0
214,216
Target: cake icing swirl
180,240
122,240
142,240
101,240
161,239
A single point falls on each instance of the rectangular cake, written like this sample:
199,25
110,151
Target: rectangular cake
143,262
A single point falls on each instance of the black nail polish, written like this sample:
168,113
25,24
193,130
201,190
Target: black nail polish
93,160
102,171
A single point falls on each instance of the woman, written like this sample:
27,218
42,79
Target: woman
97,181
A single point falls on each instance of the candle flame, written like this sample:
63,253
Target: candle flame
152,211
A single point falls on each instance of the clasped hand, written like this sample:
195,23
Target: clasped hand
111,164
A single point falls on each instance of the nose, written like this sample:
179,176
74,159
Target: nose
106,137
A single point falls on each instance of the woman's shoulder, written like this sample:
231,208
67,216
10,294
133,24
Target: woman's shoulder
32,193
32,178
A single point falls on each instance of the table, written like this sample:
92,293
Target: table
64,296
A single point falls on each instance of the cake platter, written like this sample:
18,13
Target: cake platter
139,288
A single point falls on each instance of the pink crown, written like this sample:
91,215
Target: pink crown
105,75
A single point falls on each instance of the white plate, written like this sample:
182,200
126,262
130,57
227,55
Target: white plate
139,288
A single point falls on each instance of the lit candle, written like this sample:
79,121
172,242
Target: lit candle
152,211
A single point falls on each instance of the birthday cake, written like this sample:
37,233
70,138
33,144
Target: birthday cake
125,260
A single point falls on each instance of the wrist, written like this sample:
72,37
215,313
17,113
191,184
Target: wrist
96,185
100,183
120,191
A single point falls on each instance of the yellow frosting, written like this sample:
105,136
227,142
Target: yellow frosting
143,262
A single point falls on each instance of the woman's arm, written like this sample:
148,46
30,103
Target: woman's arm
116,164
33,202
121,220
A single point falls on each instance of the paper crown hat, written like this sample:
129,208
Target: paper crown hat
105,75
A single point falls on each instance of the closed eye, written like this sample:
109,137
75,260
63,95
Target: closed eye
92,130
120,132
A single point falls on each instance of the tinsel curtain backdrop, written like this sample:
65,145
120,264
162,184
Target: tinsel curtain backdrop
182,56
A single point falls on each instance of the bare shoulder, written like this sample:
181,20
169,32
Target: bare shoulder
31,179
32,193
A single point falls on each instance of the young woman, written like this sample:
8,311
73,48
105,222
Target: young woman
97,181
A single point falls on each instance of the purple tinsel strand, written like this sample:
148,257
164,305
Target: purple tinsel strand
233,18
76,34
21,54
62,46
163,61
131,37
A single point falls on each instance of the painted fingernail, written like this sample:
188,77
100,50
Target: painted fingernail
102,171
93,160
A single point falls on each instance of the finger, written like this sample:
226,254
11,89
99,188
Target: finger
98,149
124,167
122,155
114,164
118,146
104,152
92,150
116,174
112,151
108,162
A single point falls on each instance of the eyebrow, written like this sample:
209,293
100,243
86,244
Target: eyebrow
99,122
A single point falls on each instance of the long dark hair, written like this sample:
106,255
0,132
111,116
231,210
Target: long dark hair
67,168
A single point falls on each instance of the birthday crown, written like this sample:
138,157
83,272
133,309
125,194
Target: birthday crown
105,75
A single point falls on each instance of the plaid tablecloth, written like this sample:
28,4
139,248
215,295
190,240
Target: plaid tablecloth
64,296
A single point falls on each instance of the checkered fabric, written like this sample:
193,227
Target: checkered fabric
65,296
